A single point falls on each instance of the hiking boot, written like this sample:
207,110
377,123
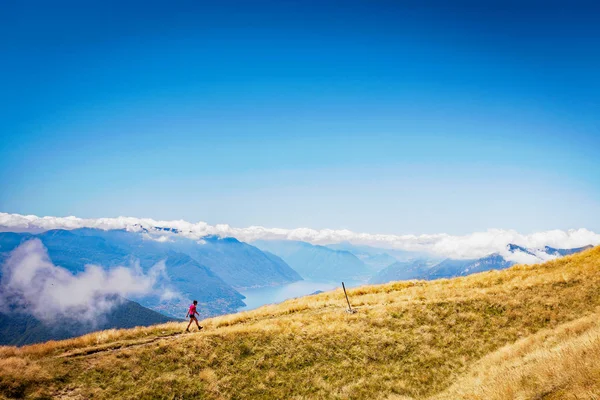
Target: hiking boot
187,330
199,327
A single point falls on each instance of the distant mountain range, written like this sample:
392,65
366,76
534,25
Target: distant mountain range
209,270
374,258
317,262
237,263
564,252
361,249
213,270
448,268
402,271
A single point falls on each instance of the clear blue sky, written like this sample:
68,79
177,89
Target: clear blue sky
377,116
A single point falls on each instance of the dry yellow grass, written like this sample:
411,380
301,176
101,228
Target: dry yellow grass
562,363
526,332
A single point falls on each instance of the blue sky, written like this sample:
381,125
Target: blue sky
386,116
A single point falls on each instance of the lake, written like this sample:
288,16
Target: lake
276,294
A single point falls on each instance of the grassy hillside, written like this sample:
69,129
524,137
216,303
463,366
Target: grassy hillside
529,332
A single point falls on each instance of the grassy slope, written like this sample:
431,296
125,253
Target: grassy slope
526,332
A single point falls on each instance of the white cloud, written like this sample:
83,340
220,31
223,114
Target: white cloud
33,284
473,245
520,257
157,238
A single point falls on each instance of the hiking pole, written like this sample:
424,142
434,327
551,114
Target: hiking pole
350,310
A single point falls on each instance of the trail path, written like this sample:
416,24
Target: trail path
119,345
139,342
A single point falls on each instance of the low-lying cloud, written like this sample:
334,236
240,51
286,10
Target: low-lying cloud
32,284
473,245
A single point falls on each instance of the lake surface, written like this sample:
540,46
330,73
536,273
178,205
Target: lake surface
276,294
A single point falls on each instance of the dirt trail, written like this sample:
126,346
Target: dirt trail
119,345
139,342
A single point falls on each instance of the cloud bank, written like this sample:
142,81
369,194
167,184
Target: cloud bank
32,284
474,245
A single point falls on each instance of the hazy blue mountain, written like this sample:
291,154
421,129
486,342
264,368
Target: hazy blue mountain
208,270
448,268
423,268
491,262
237,263
377,257
376,262
196,281
374,258
74,251
402,271
565,252
11,240
192,280
317,262
18,329
514,248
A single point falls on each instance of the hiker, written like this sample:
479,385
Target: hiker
192,312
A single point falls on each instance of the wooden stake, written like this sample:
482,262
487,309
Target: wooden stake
350,310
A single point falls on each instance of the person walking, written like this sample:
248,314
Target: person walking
192,312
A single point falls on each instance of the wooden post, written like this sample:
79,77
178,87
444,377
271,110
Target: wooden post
350,310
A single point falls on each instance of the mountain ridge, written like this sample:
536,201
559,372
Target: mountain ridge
449,268
315,261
